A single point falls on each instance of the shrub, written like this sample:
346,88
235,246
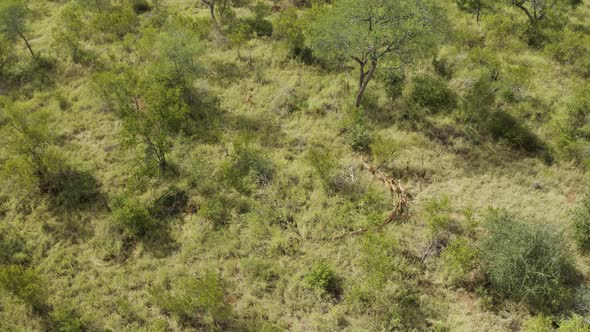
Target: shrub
359,138
169,204
287,100
118,21
199,302
72,189
505,128
572,132
525,263
290,28
457,259
133,218
581,221
25,284
576,323
486,60
323,163
216,209
36,164
12,246
394,83
433,93
260,26
65,319
247,169
140,6
539,323
437,215
571,48
387,290
321,276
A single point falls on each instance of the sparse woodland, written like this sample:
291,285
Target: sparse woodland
294,165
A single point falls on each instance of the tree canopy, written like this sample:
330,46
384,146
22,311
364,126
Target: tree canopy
373,31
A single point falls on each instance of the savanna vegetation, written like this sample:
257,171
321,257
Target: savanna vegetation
294,165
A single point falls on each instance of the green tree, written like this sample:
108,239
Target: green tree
373,31
154,102
211,5
539,12
34,160
152,112
473,6
13,21
69,36
7,55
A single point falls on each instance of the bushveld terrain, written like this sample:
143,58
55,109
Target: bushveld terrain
294,165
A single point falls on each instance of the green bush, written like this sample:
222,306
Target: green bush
437,215
247,169
433,93
216,209
569,48
359,138
576,323
170,203
387,289
505,128
539,323
324,164
13,248
197,301
321,276
118,21
572,129
133,218
66,319
140,6
526,263
581,221
36,165
457,259
73,189
25,284
260,26
394,84
290,28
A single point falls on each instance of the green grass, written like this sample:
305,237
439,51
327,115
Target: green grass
268,241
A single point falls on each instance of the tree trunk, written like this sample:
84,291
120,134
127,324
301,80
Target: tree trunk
211,5
364,79
27,43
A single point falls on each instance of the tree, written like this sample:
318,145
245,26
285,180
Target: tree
538,12
154,103
211,5
13,19
472,6
70,34
34,161
7,55
152,112
373,31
